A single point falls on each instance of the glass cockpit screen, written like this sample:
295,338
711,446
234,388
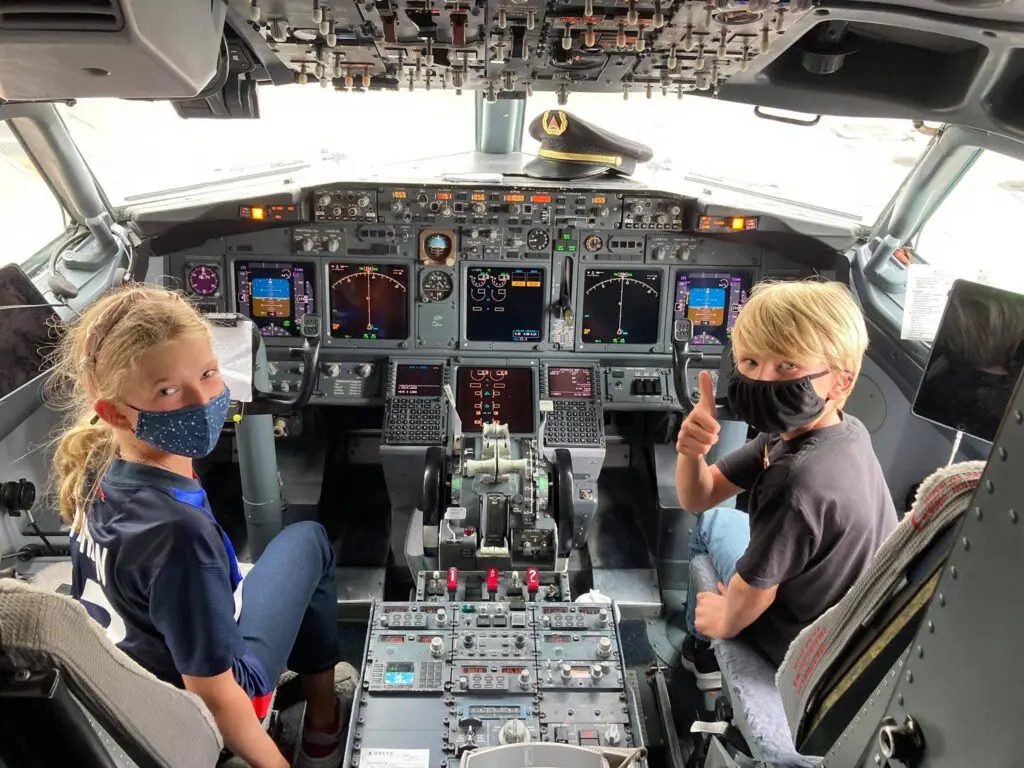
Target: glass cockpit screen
711,301
419,380
369,301
276,295
503,395
571,383
505,304
621,306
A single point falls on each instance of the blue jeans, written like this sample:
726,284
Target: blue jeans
723,533
289,603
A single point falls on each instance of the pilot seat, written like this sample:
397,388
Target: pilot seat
833,669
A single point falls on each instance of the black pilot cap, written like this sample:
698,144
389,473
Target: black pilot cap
571,148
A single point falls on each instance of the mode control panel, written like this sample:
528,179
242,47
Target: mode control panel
491,672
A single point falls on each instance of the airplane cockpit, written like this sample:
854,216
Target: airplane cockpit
469,269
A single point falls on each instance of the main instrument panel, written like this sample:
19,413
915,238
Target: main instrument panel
492,275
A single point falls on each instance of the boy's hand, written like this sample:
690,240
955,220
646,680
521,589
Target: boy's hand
699,432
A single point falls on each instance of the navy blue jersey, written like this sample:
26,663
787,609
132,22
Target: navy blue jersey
153,567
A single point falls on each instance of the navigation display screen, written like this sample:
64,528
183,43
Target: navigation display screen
621,306
369,301
711,301
27,338
502,395
276,295
505,304
571,383
419,380
976,359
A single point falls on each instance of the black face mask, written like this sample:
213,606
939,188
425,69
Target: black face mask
776,406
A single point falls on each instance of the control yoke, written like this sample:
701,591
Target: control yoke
268,402
682,333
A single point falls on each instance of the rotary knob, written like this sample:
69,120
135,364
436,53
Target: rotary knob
515,209
421,198
520,641
437,647
604,648
446,212
525,679
324,200
662,218
337,211
463,682
333,245
596,671
565,669
397,206
637,209
333,370
479,209
363,201
441,615
469,641
285,386
307,243
514,732
613,736
604,616
364,370
660,253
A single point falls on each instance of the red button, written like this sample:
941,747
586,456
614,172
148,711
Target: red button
492,579
532,580
453,579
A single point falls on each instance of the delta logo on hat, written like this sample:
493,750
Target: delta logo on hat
555,123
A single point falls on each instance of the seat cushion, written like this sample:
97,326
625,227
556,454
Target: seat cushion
39,629
749,680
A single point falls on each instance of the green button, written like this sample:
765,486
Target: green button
542,483
456,483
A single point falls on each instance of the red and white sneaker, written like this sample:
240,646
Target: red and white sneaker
325,750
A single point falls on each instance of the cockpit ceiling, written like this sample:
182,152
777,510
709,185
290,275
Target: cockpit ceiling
947,60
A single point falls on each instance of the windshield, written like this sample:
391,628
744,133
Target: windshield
143,150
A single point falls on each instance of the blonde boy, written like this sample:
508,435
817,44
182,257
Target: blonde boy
818,503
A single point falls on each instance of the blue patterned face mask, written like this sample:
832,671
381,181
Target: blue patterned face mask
191,431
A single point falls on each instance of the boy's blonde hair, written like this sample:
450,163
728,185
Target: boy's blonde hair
94,361
803,319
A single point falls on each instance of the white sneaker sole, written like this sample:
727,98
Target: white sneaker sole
706,681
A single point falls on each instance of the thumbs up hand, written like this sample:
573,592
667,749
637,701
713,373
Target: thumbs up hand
700,429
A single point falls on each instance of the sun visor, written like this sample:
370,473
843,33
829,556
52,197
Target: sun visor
118,48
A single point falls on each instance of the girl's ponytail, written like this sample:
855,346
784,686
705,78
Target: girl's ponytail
82,456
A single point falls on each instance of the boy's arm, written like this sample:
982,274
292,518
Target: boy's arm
698,486
737,607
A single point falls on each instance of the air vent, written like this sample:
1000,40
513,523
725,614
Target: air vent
61,15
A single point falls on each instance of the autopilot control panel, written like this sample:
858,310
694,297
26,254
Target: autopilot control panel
444,678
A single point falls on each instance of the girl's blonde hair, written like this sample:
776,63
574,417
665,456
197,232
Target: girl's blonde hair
803,319
94,360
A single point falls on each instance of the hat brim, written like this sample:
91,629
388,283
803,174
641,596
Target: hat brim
542,168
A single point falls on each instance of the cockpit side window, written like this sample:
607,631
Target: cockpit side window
30,214
973,232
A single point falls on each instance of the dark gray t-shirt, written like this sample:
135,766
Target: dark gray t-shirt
818,512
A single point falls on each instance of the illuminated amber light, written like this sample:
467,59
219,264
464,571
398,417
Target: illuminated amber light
258,213
738,222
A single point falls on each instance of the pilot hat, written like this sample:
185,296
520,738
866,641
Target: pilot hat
571,148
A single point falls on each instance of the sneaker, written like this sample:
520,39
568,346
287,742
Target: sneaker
325,750
699,659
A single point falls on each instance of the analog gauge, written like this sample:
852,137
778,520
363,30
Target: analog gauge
538,240
437,285
204,280
593,243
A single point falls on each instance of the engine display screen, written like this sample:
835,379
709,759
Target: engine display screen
419,380
571,383
621,306
400,673
711,301
369,301
276,295
503,395
505,304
